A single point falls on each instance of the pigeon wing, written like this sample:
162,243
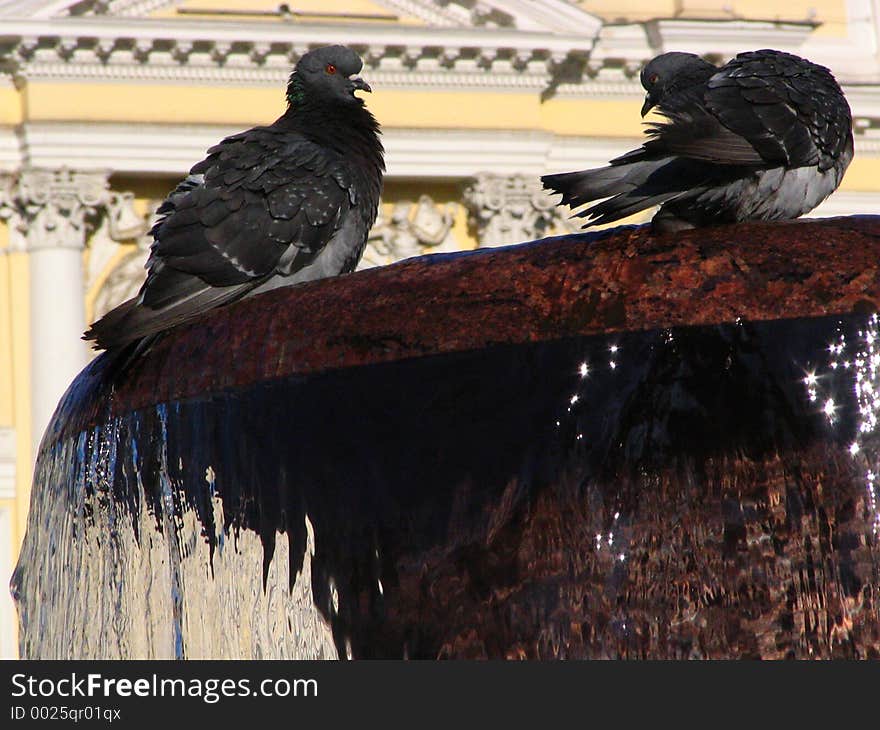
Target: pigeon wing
765,98
263,202
763,108
267,203
697,135
790,109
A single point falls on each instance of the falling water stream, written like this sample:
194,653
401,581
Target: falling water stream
694,492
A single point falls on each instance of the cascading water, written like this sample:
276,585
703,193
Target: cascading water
673,492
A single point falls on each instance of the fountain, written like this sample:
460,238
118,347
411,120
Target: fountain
612,445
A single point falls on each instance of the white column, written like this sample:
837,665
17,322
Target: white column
49,211
57,322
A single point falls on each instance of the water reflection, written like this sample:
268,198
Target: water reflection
859,360
696,492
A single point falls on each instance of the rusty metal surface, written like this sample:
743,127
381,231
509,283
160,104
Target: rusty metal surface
558,287
629,446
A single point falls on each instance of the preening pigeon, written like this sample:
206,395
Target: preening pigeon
269,207
767,136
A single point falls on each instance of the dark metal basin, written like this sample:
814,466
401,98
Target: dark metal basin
621,446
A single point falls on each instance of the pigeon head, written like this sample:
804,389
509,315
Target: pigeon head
671,73
327,76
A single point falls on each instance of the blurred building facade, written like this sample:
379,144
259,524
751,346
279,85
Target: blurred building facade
105,104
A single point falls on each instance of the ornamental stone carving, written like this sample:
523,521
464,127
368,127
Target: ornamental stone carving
505,210
412,229
49,209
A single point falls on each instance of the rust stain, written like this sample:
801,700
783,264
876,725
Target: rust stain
558,287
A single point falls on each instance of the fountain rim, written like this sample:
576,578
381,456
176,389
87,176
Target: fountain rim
622,279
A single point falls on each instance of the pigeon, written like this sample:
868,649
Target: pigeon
768,136
269,207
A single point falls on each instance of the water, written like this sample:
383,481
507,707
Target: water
696,492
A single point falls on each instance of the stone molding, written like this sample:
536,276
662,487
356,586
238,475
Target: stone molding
413,228
56,208
187,50
171,149
205,51
546,46
522,14
511,209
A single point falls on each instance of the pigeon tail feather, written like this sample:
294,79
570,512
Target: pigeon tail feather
131,320
613,181
581,187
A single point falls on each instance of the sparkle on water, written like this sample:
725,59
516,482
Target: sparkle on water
862,357
156,572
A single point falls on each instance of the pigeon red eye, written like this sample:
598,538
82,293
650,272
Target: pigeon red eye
330,69
653,79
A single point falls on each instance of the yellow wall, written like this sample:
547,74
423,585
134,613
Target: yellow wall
830,13
15,367
6,315
10,106
50,101
15,371
863,174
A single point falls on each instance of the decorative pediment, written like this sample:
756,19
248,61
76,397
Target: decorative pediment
539,44
550,47
455,43
525,15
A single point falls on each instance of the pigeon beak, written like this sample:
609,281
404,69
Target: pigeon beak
648,105
359,84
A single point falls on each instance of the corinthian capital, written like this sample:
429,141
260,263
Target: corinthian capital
511,209
52,208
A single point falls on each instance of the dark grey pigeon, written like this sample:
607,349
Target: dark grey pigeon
767,136
269,207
